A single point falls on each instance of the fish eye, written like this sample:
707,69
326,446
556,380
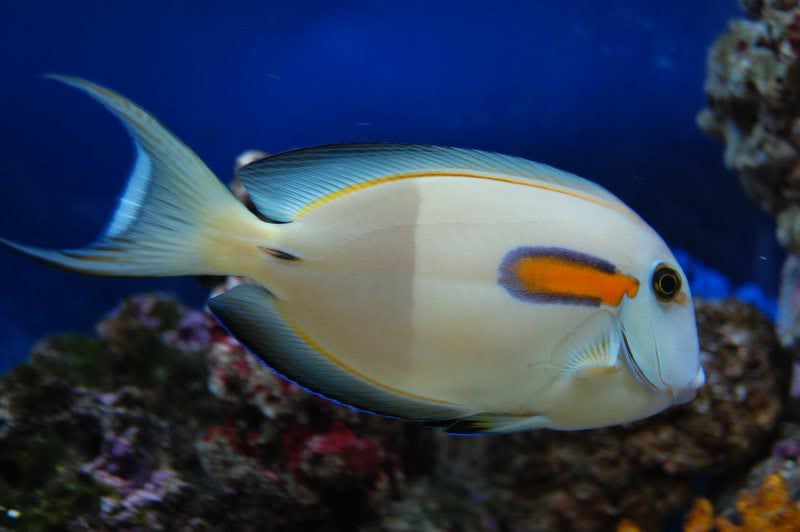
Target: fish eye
666,282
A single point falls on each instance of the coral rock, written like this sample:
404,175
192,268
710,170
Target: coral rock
581,480
753,75
753,92
770,508
701,517
138,429
789,302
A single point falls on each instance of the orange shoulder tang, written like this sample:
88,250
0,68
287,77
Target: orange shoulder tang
562,276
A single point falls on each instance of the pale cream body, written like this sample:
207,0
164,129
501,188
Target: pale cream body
399,281
396,279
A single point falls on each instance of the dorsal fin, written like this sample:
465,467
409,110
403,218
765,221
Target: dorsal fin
283,185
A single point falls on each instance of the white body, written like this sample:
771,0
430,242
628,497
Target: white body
381,287
399,281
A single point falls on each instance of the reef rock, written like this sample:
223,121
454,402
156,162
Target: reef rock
164,422
779,475
645,471
97,430
753,92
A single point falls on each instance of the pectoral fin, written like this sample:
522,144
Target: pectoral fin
593,348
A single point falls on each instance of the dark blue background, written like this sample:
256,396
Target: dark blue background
608,90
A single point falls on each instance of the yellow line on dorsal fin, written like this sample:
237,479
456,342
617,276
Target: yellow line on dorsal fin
472,175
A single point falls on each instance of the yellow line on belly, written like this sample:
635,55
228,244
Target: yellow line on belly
353,371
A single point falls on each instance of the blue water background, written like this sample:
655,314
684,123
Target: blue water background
608,90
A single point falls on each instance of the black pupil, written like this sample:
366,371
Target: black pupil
666,282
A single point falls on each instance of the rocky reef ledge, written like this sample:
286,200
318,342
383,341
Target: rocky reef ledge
164,422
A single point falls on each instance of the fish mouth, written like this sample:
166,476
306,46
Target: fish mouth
630,360
679,395
684,395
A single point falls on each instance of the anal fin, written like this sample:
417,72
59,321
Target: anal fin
495,424
252,315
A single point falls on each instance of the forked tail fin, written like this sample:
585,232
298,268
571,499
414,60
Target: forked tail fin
175,217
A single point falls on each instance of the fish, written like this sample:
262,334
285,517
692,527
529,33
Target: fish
473,291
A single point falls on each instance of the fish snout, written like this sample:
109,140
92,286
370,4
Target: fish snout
687,393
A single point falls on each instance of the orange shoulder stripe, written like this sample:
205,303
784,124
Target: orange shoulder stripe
557,275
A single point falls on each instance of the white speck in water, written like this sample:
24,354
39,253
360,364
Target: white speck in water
762,257
741,393
13,514
107,505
